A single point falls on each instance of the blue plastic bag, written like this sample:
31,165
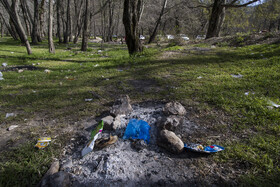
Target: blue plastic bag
137,129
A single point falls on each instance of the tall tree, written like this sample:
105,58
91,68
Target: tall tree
131,17
35,37
86,23
58,20
13,12
153,36
218,15
50,33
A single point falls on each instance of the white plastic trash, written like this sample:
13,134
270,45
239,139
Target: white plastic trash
10,115
1,76
4,64
237,76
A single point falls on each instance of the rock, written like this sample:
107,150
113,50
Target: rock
117,123
12,127
66,165
46,179
60,179
121,106
108,121
170,141
170,123
174,108
138,144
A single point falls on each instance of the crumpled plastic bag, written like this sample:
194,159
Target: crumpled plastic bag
137,129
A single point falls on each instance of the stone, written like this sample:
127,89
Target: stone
52,170
108,122
170,141
170,123
12,127
122,106
117,123
174,108
60,179
66,165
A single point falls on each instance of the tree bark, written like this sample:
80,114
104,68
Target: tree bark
85,31
35,37
131,18
68,24
153,36
58,19
51,45
41,17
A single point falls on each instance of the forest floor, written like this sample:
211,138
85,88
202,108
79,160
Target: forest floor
227,90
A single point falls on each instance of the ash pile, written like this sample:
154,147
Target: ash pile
115,161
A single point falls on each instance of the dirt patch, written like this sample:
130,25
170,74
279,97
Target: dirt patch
145,85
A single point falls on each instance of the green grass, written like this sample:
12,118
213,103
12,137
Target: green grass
61,94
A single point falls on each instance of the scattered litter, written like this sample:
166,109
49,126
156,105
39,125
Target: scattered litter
252,53
96,65
4,64
43,142
247,93
201,149
34,91
137,129
200,77
103,142
273,104
20,70
120,70
1,76
236,75
102,76
47,71
107,79
12,127
10,115
12,52
33,64
99,51
94,135
38,64
88,100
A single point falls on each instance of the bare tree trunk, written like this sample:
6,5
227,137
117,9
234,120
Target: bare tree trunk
68,24
85,32
51,45
35,37
131,18
13,12
12,33
58,19
13,29
153,36
2,28
41,17
25,17
79,21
